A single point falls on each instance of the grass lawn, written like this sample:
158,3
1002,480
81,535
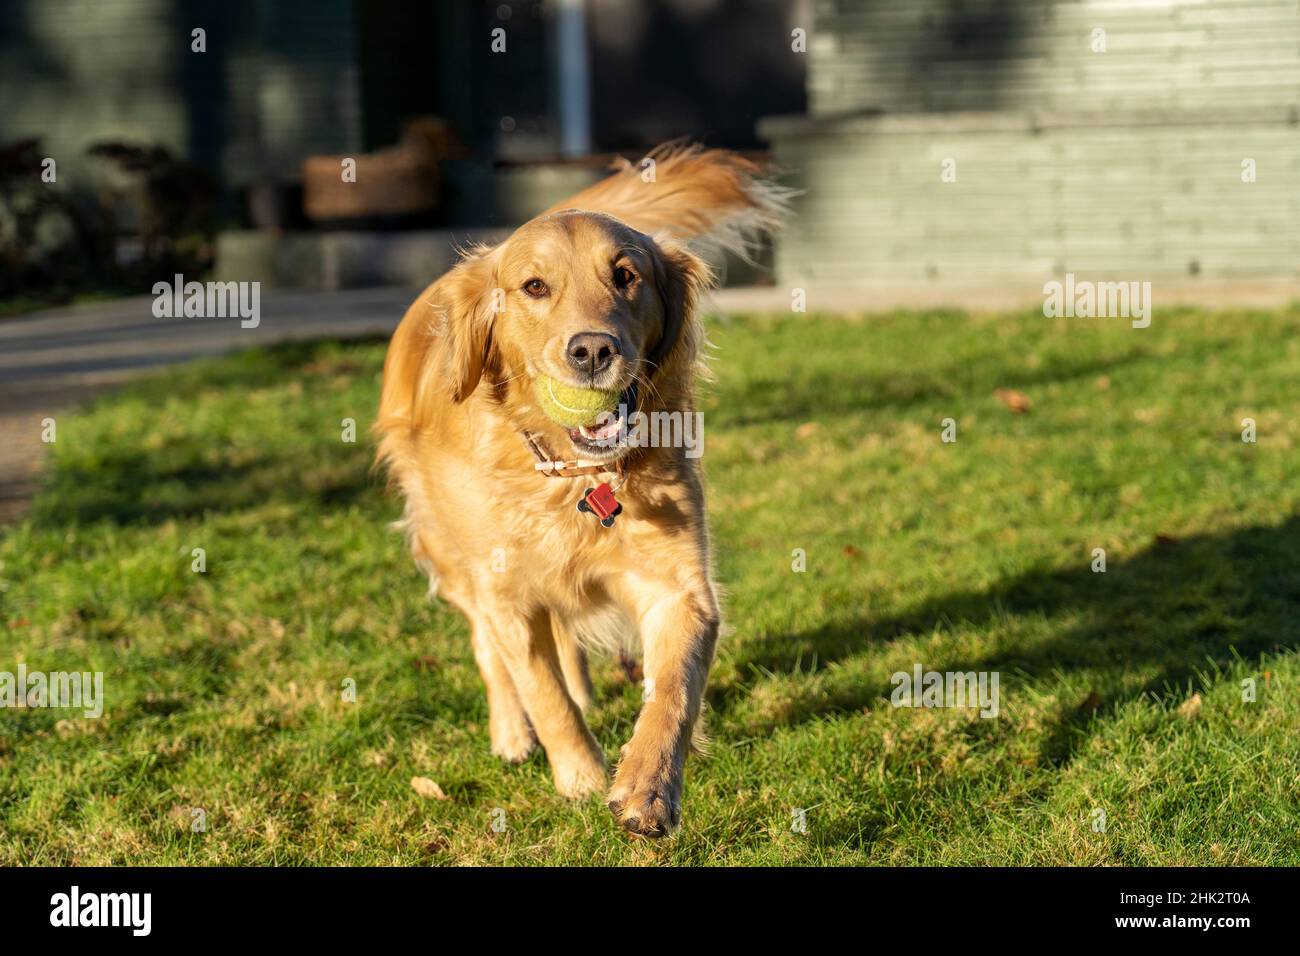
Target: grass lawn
224,688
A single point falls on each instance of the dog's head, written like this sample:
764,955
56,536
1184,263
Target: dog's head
584,299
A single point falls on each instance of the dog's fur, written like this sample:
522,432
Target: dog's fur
538,581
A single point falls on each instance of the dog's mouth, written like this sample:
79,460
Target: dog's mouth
606,437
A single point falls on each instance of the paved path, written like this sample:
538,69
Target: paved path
53,360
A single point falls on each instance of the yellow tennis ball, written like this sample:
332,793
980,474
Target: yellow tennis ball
571,406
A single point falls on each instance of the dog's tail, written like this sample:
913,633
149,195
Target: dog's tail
712,198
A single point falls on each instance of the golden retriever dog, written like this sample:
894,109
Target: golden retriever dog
598,292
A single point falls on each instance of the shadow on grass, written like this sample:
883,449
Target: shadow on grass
181,480
847,390
131,486
138,489
1174,610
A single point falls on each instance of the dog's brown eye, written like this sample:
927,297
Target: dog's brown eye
536,288
624,277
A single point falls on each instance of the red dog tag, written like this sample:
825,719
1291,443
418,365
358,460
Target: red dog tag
601,502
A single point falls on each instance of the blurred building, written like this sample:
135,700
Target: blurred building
986,140
278,81
935,140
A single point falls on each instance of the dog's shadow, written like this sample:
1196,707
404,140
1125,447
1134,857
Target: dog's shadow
1172,612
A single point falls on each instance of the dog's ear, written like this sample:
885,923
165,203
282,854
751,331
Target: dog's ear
680,277
441,346
464,304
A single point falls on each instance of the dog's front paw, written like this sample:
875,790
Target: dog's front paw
646,798
512,741
580,776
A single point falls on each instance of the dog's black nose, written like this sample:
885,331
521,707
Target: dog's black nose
591,352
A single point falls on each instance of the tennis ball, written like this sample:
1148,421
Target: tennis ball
570,406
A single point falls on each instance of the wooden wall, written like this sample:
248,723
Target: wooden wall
923,55
1126,164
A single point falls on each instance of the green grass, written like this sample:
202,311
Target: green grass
823,434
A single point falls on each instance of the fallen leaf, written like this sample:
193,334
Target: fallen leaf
1103,382
806,429
1018,402
427,789
851,552
1191,707
425,663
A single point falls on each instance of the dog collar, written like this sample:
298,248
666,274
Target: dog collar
598,501
567,468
